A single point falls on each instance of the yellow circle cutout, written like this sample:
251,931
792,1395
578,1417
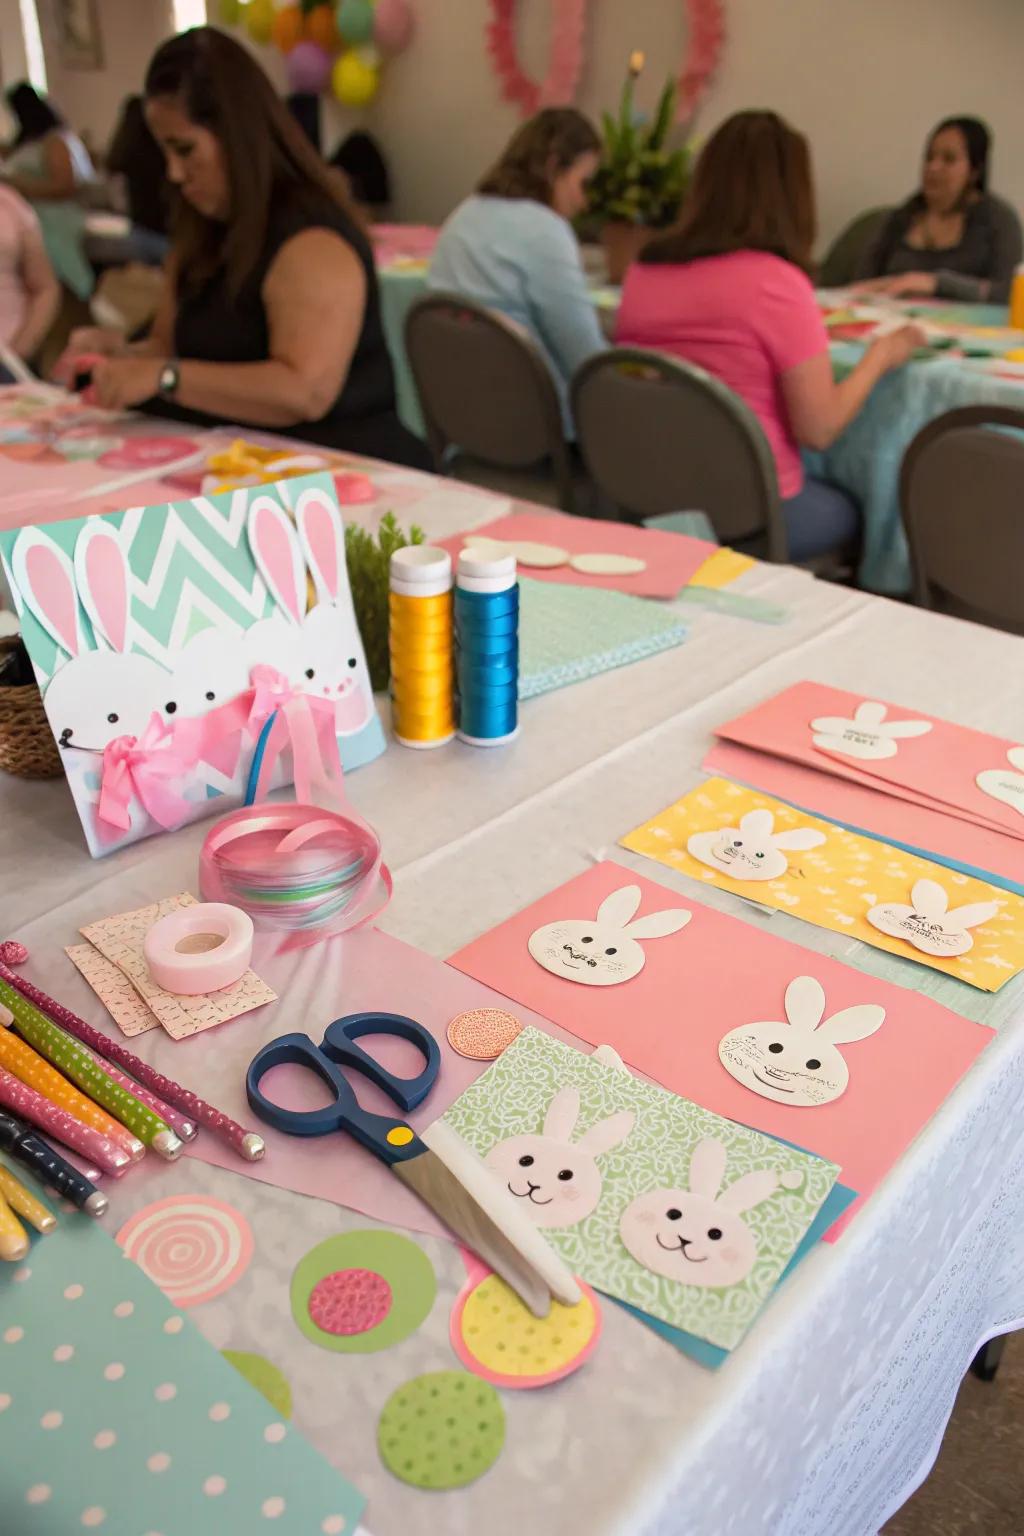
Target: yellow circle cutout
505,1337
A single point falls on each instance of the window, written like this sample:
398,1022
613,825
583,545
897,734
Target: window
35,62
188,13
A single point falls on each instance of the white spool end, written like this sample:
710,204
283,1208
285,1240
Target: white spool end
480,571
421,570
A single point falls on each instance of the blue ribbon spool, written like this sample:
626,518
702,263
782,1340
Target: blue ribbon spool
476,674
471,626
504,647
488,602
487,663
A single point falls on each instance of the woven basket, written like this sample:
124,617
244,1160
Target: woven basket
27,747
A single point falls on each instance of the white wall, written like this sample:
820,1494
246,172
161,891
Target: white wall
91,99
865,79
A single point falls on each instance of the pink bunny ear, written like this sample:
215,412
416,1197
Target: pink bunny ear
45,579
101,571
275,548
749,1189
707,1167
322,534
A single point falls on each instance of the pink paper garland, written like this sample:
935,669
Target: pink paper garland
707,38
559,86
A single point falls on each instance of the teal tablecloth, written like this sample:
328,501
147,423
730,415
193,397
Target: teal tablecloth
865,461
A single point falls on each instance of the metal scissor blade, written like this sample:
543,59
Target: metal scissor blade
453,1181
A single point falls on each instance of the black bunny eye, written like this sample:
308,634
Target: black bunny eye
352,661
526,1162
112,719
310,672
565,1174
714,1233
170,707
813,1064
210,697
586,939
758,855
775,1049
611,951
673,1214
737,842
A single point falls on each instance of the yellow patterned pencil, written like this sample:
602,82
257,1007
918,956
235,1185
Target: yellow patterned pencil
24,1203
13,1237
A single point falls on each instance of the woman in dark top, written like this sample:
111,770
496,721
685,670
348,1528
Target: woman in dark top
270,314
953,239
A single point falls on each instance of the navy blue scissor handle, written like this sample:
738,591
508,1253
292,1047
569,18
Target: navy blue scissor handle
386,1136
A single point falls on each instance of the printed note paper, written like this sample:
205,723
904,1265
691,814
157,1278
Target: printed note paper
713,979
646,1196
749,843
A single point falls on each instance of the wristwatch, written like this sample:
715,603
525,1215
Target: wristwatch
170,375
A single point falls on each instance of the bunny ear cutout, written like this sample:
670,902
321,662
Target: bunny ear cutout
707,1167
972,915
757,823
906,728
101,571
607,1134
852,1023
563,1112
322,536
800,837
869,714
657,925
1015,757
929,898
805,1002
617,909
275,548
45,578
749,1190
830,725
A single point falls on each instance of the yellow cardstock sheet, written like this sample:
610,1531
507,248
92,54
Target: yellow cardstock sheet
726,835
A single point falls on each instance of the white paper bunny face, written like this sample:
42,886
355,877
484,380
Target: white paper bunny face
555,1178
926,923
97,695
603,951
751,851
697,1235
868,736
799,1062
212,668
1005,784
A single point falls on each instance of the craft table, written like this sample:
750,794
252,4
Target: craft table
831,1411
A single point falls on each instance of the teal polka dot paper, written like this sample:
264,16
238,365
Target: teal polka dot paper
117,1416
567,634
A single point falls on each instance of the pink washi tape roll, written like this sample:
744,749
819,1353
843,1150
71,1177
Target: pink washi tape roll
199,949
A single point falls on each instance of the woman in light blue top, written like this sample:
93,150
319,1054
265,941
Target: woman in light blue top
510,246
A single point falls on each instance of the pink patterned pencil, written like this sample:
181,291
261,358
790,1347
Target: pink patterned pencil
247,1144
184,1127
59,1123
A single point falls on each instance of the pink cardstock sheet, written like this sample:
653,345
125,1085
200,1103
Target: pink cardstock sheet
671,559
938,768
717,974
870,810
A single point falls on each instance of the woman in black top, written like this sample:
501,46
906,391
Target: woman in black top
953,239
270,314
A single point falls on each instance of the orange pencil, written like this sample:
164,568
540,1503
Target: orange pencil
29,1067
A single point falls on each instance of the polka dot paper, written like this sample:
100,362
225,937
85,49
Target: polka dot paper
118,1417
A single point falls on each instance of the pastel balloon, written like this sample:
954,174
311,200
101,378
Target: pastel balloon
320,28
355,20
309,68
392,25
286,30
354,82
259,20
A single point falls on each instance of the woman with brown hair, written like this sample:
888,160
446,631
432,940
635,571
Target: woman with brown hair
270,313
728,290
510,246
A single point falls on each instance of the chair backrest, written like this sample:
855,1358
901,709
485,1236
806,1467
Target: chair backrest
484,386
962,499
658,435
843,259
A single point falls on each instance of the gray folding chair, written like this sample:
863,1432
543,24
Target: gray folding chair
842,262
489,402
962,500
658,435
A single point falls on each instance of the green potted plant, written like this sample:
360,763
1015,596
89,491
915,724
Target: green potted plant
640,184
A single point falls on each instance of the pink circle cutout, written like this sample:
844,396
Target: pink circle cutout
350,1301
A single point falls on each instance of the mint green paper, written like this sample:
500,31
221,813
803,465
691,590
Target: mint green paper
567,633
512,1098
110,1421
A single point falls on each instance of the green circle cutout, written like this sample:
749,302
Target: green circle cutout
403,1265
260,1373
442,1430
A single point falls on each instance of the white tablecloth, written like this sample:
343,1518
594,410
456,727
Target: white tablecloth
830,1411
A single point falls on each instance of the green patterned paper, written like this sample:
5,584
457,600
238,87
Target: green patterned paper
513,1099
568,633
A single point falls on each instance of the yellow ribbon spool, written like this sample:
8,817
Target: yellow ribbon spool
422,670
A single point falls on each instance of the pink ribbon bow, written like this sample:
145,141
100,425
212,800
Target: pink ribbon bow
143,766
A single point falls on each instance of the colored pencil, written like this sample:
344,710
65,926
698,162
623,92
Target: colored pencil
24,1203
112,1156
13,1237
49,1167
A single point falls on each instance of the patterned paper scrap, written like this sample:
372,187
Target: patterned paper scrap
119,1416
686,1215
114,990
120,940
758,847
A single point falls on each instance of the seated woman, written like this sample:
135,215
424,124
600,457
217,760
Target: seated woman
510,246
953,238
49,165
29,292
270,313
728,290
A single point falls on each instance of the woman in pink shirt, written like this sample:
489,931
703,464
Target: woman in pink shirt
29,294
728,290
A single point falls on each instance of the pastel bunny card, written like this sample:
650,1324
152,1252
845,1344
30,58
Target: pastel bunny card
1006,784
606,949
763,849
701,1018
141,624
869,736
681,1213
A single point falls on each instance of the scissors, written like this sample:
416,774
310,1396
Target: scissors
437,1164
